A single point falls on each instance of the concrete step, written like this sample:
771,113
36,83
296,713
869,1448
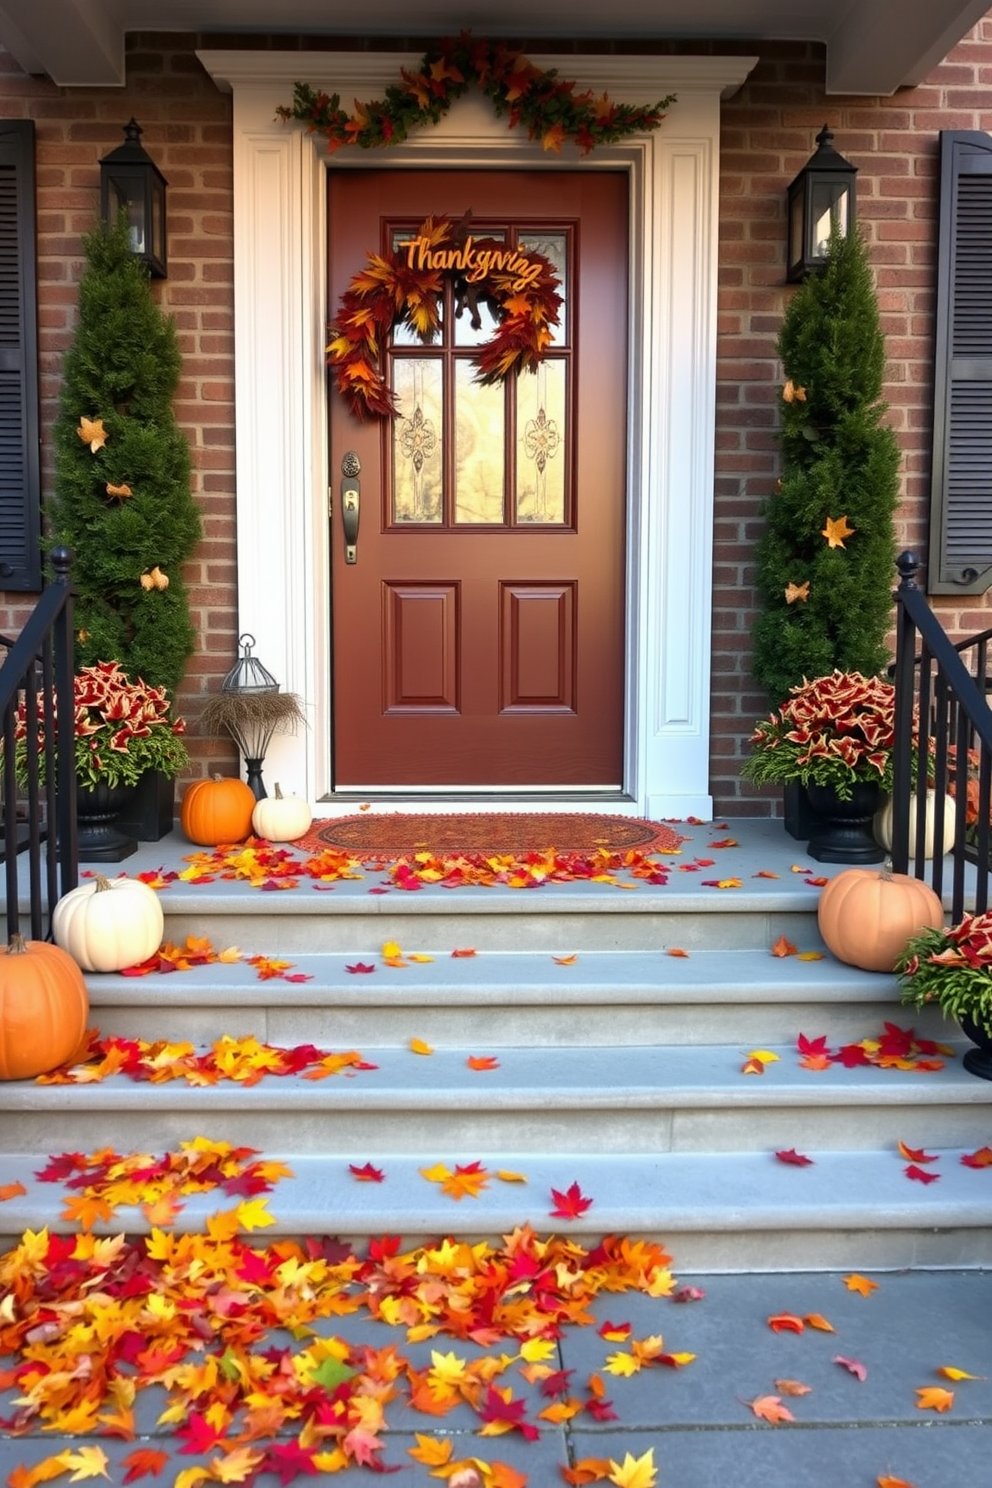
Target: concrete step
714,1213
588,1100
519,998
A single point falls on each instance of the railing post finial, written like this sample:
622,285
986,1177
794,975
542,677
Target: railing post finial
908,564
61,564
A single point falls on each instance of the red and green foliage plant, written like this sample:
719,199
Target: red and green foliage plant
951,969
835,731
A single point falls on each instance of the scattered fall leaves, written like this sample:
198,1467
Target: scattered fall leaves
92,432
836,530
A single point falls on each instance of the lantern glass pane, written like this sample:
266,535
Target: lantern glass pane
829,200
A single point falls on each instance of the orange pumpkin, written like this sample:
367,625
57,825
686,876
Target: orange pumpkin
43,1008
866,915
217,810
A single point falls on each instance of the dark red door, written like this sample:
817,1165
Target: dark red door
478,637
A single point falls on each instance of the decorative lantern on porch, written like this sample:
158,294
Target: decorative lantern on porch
250,708
822,194
131,182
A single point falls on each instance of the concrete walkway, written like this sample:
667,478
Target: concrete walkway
848,1431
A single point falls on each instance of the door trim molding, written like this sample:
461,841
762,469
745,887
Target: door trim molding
280,246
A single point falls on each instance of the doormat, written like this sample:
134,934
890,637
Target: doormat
382,837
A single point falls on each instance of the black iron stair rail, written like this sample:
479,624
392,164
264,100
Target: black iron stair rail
943,718
38,671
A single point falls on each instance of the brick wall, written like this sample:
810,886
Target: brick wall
768,134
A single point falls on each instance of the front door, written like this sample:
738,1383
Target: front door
478,628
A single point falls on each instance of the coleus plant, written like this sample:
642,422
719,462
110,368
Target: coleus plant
951,968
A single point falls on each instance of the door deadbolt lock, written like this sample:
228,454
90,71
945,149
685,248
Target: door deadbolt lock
351,496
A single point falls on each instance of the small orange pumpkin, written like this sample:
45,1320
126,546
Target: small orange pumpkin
867,915
44,1006
217,810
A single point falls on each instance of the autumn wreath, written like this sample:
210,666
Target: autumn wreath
404,286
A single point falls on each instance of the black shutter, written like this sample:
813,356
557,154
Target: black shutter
961,491
20,474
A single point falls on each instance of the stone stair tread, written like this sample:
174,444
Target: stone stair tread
501,977
569,1078
665,1195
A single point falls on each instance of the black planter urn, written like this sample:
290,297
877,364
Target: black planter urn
843,832
151,812
977,1061
98,809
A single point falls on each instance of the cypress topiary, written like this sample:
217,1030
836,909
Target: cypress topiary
826,558
122,498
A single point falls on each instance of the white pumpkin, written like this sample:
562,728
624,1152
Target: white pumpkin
107,924
280,818
883,824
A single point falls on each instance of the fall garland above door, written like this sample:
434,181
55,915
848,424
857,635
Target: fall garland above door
546,104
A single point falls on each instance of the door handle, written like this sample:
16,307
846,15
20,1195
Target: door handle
351,499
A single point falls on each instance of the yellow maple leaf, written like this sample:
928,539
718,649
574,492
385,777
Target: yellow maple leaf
92,432
794,592
536,1350
506,1176
437,1174
561,1410
417,1046
87,1462
253,1214
766,1056
622,1364
949,1372
237,1465
414,956
634,1472
836,530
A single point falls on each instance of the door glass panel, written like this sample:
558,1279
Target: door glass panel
479,450
475,323
541,443
554,247
418,383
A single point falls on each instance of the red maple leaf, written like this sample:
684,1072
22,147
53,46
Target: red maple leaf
569,1205
367,1173
287,1460
790,1155
142,1462
359,967
199,1435
982,1158
808,1046
920,1175
507,1412
917,1154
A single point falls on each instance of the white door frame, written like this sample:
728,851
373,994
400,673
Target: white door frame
281,314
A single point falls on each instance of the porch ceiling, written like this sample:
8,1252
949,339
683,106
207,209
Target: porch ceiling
872,46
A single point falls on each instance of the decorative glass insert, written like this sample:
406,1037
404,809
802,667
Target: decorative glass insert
418,383
554,247
480,425
541,443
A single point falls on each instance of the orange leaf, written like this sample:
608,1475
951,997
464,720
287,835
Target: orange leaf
862,1284
786,1322
836,530
144,1462
482,1062
917,1154
565,960
783,947
792,1387
753,1066
11,1191
677,951
467,952
887,1481
982,1158
934,1397
769,1408
816,1320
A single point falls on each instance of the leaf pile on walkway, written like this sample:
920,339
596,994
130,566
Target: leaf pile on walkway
257,1382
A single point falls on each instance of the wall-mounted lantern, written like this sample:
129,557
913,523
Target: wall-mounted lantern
131,182
822,193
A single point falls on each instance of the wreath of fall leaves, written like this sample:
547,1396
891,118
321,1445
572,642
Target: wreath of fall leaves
390,291
544,103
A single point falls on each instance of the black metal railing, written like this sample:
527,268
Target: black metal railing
943,748
39,814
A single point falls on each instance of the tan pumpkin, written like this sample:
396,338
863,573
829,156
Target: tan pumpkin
217,810
44,1006
866,915
883,824
280,818
108,924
